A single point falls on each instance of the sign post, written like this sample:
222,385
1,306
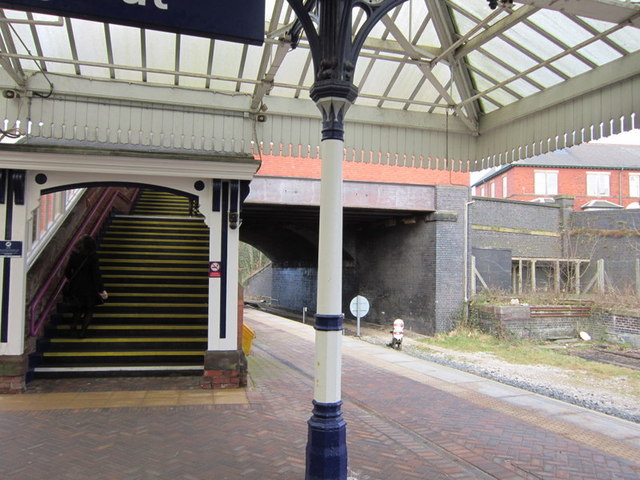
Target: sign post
359,307
237,21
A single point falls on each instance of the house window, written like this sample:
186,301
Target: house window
598,184
504,187
546,182
493,189
634,185
483,192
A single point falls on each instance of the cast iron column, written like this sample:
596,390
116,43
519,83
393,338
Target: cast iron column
334,49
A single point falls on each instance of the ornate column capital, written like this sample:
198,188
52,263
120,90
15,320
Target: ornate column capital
334,110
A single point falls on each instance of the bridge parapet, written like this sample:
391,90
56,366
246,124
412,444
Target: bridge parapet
371,195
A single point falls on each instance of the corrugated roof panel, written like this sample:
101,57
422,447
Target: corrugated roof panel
161,53
488,66
126,51
25,36
532,41
194,53
290,71
91,46
55,44
381,73
560,26
570,65
599,53
545,77
628,38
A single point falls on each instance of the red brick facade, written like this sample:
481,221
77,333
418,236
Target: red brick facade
520,185
274,166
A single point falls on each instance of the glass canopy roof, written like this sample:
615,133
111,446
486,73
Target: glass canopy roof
425,56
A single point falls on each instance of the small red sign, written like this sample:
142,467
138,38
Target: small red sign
215,269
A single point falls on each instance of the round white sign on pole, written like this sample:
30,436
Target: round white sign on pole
359,306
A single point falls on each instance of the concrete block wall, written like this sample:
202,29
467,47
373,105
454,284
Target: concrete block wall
527,229
395,272
449,227
610,235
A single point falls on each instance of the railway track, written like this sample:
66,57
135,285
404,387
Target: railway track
629,358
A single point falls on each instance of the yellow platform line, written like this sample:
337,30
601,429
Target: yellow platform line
122,399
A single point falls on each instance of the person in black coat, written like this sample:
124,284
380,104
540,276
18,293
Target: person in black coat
85,287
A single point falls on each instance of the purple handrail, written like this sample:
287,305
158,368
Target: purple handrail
101,210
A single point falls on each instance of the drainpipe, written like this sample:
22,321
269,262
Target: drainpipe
465,249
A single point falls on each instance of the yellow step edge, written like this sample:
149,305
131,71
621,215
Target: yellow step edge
140,327
183,305
125,232
176,316
164,247
160,295
149,285
187,240
129,340
122,354
164,277
165,254
104,261
194,222
151,269
161,226
107,239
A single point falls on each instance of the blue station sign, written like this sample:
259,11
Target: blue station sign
234,20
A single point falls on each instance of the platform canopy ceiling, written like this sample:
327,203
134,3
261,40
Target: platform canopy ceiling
442,83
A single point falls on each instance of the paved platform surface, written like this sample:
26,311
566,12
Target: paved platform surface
407,419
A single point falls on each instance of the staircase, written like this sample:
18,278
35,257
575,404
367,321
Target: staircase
154,264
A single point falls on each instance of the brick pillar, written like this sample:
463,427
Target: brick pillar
13,369
225,369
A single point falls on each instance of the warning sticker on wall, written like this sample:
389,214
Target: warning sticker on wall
215,269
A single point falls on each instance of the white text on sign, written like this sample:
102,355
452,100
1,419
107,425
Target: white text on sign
158,3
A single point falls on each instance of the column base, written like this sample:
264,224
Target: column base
224,369
326,443
13,372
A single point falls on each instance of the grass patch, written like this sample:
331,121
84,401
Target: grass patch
521,352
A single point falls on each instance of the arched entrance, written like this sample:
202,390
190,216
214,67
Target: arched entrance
218,182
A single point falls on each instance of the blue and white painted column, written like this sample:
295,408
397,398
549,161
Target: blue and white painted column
13,274
327,437
225,363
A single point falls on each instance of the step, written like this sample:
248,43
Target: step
62,370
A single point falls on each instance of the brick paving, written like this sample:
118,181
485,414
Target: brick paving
400,426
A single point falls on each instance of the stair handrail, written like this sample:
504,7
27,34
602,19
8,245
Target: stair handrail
101,211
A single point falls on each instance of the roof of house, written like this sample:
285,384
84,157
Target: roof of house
593,156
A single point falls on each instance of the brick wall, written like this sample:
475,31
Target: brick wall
516,321
359,171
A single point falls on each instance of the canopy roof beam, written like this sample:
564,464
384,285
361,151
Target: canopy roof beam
447,34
